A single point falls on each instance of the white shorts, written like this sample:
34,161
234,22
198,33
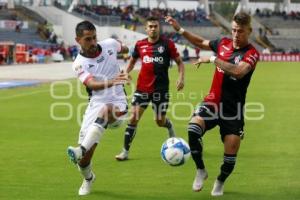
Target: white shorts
91,114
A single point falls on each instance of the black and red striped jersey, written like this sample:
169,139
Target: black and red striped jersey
227,91
155,59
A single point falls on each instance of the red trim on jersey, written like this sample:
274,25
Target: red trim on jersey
98,54
215,92
146,78
225,49
251,57
173,50
87,79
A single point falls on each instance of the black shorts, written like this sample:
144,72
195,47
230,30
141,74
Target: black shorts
159,100
228,125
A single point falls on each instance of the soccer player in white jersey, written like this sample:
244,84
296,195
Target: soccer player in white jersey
97,68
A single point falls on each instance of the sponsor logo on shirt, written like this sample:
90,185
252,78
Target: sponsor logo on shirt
100,59
90,66
148,59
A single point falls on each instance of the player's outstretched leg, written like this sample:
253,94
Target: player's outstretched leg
218,188
201,176
93,136
226,169
87,185
195,133
122,156
75,153
128,138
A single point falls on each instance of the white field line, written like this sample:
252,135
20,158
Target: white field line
24,94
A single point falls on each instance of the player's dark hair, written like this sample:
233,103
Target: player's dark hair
152,18
242,19
84,26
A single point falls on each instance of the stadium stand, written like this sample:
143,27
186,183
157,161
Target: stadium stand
281,30
273,30
26,36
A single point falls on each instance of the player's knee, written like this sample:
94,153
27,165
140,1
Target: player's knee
160,122
134,120
134,117
102,122
231,144
105,112
195,130
233,148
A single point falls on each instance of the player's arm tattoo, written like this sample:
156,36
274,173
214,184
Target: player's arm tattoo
236,70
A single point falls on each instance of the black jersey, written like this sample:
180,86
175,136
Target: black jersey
227,93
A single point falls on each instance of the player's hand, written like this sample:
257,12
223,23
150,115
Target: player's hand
172,22
122,78
127,76
180,84
203,59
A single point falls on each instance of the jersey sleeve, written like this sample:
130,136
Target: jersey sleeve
112,44
173,50
116,44
213,44
135,52
81,72
251,57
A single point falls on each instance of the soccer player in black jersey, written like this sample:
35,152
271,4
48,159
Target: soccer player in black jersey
235,59
155,53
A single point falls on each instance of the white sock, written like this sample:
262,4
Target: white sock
93,136
86,172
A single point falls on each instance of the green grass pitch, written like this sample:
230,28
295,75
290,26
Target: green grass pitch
34,164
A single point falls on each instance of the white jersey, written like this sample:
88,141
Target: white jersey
103,67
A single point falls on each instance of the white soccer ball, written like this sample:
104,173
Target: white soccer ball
175,151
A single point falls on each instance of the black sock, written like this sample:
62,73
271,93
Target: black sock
195,133
129,135
169,126
168,123
227,166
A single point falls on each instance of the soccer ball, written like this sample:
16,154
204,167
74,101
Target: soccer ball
175,151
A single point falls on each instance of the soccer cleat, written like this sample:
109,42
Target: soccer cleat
201,175
122,156
86,185
218,188
75,154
